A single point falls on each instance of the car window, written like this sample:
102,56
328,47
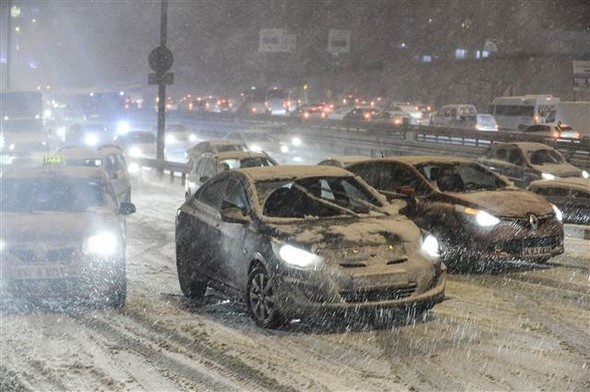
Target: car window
397,176
212,193
541,157
235,196
460,176
515,157
552,191
580,194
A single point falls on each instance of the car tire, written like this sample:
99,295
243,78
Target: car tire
261,299
191,285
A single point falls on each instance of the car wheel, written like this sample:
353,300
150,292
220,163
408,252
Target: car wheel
191,285
261,299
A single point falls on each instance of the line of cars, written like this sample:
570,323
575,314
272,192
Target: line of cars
295,241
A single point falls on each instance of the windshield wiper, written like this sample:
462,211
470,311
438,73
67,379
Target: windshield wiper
325,202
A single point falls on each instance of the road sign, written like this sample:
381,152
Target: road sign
167,78
581,75
339,41
160,59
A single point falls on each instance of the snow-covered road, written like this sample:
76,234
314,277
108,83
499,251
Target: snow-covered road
525,329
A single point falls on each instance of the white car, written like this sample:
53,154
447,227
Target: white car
486,122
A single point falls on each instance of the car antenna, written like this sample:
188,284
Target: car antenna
246,145
380,149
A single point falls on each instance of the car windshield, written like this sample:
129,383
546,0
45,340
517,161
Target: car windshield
486,120
52,194
460,177
235,163
542,157
316,197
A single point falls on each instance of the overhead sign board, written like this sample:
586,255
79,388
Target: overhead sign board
276,40
581,75
339,41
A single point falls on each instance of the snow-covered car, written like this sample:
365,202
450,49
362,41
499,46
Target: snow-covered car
177,133
209,165
214,146
110,157
570,195
552,131
523,162
284,150
138,144
478,216
296,241
486,122
63,235
87,134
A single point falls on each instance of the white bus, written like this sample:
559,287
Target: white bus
517,113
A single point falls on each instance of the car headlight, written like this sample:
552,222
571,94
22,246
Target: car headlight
585,174
133,168
547,176
296,141
134,151
430,245
122,127
192,138
91,139
61,132
482,218
284,149
2,244
558,213
294,256
170,139
103,244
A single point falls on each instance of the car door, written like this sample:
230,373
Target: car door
204,226
580,207
236,251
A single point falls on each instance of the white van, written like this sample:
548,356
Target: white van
462,116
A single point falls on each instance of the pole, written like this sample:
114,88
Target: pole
161,156
8,44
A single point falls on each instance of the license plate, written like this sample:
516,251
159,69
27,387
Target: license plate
41,272
537,251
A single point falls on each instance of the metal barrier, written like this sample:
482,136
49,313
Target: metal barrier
375,139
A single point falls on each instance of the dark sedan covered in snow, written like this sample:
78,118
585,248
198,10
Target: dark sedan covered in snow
477,215
300,240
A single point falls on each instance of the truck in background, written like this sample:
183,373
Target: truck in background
575,114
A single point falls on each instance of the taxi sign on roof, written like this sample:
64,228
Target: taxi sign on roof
53,160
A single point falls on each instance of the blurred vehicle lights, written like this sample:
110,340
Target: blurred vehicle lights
430,246
104,244
295,256
558,213
547,176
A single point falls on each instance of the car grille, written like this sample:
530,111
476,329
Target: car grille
54,255
378,294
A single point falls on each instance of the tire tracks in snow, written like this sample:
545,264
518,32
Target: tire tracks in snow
195,362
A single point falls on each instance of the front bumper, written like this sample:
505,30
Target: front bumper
514,239
298,297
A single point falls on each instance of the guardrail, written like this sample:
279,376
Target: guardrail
374,138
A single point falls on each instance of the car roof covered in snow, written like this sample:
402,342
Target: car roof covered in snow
293,172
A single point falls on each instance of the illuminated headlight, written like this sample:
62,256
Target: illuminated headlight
547,176
102,244
295,257
170,139
296,141
2,245
284,149
133,168
256,148
91,139
122,127
61,132
558,213
585,174
134,151
430,246
192,138
482,218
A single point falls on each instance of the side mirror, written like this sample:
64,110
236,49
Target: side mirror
126,208
234,215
